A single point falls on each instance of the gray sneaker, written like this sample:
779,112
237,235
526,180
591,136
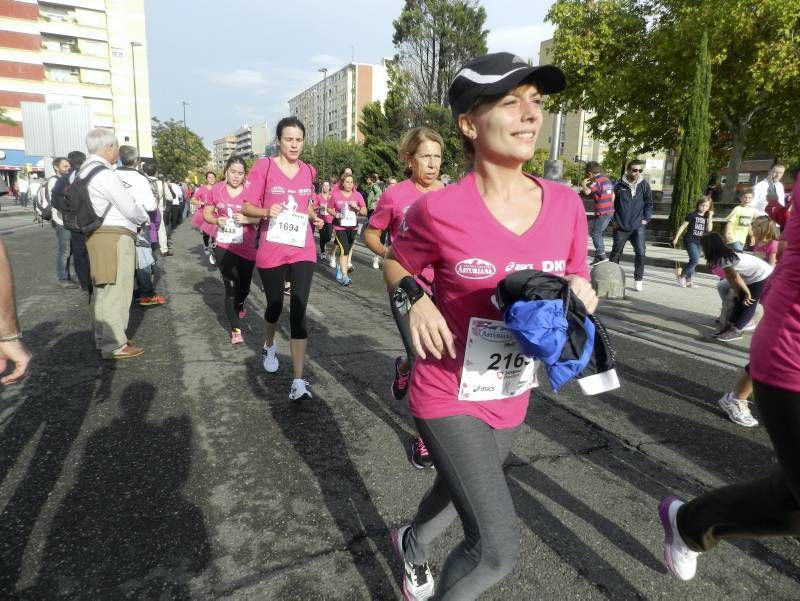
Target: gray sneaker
737,411
730,334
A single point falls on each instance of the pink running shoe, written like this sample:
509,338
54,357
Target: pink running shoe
236,336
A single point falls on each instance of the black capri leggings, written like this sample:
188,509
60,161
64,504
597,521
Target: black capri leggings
742,314
325,236
237,272
299,276
345,239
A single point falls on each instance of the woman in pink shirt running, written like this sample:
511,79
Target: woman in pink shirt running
235,248
421,151
768,506
470,384
198,201
279,190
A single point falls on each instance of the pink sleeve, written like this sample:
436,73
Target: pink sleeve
360,200
417,246
576,261
382,216
255,184
772,248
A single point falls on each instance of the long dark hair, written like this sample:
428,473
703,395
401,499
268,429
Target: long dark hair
715,249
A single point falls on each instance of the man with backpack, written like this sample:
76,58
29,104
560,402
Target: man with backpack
101,206
49,212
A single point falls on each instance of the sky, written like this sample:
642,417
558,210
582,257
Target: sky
239,61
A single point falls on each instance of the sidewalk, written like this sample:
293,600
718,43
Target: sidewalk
657,254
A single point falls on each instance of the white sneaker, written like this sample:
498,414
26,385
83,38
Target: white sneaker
638,285
751,325
270,359
332,262
737,411
212,259
417,579
376,262
681,561
299,391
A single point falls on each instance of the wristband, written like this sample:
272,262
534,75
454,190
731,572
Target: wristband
12,338
408,290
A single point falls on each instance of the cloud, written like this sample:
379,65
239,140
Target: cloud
239,78
523,41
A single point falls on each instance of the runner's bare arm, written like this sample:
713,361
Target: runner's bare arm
372,238
13,350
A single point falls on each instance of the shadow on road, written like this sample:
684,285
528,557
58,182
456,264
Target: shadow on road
314,433
125,530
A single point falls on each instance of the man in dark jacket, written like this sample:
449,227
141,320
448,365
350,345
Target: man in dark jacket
633,210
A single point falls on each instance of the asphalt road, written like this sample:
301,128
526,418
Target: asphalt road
188,474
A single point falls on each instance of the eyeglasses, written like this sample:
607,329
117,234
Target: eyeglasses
636,170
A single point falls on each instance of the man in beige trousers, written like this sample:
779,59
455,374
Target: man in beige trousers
112,252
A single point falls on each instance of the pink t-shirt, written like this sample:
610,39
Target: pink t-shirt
203,194
392,207
322,205
267,185
775,346
471,252
219,198
390,212
764,249
339,200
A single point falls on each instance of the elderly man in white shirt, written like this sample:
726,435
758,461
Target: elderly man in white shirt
767,188
112,252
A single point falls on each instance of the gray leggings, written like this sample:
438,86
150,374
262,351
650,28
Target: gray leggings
470,483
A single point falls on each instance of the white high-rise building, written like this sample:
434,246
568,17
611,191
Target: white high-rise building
347,91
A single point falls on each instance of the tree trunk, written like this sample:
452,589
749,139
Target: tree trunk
739,133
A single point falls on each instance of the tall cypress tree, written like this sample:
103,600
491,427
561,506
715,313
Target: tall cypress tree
691,170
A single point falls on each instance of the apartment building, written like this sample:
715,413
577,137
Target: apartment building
251,140
335,103
223,149
579,145
91,52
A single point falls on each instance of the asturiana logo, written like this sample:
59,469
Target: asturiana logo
495,334
475,269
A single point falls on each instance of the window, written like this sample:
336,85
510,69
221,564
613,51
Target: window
118,54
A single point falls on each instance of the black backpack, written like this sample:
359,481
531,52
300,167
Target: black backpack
76,205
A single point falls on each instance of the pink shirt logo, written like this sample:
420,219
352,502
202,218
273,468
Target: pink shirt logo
475,269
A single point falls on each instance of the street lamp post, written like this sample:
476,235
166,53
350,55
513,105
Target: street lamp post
324,71
185,130
135,97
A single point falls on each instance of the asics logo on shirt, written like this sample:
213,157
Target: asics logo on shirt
512,266
547,266
475,269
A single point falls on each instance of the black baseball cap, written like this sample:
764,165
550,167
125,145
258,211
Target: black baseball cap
497,73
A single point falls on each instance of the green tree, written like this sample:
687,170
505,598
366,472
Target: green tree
177,150
338,155
5,119
433,38
691,170
631,62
